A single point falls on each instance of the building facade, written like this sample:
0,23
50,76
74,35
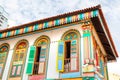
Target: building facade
71,46
113,76
3,18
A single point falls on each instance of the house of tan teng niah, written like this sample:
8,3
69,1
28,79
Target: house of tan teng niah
70,46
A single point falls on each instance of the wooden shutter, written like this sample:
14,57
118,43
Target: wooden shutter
42,59
60,57
74,55
30,63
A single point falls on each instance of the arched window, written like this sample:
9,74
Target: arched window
39,61
19,59
4,48
68,52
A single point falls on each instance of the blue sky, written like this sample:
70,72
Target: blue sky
24,11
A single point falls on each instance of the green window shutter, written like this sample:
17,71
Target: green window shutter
60,57
31,60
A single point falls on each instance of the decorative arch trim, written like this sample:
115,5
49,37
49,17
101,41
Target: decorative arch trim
41,37
23,40
69,31
5,44
17,65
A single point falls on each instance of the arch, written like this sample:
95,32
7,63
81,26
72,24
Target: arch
70,31
41,37
4,44
18,59
23,40
4,49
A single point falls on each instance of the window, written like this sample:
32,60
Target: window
3,56
68,53
18,59
38,65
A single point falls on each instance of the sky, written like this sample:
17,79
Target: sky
24,11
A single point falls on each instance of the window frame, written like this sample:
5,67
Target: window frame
4,64
36,43
77,51
13,60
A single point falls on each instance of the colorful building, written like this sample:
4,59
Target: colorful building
70,46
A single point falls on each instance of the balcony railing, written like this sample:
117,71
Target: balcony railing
67,65
36,67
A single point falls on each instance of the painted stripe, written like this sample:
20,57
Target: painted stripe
57,22
70,75
81,16
12,32
21,30
8,34
90,47
30,28
25,29
4,34
69,19
40,26
45,25
16,31
35,27
0,35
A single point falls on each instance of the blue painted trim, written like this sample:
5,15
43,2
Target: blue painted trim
70,75
97,77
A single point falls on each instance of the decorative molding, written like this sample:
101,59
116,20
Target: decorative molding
49,24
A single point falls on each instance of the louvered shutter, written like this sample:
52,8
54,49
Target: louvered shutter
74,55
30,63
60,57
